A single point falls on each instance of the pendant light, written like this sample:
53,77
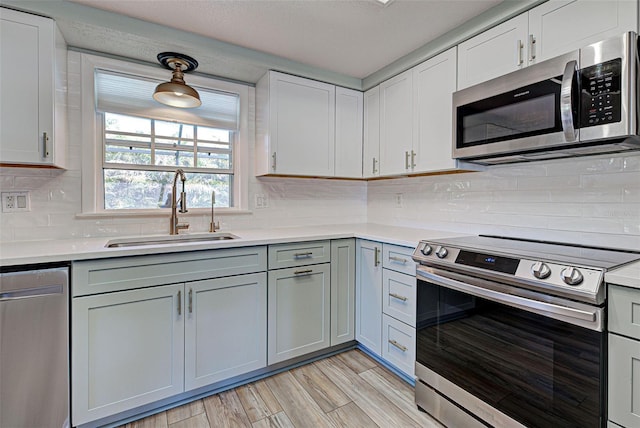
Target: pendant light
177,93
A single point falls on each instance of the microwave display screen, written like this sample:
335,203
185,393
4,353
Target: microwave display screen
516,119
529,110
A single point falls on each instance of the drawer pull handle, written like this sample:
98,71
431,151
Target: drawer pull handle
179,302
397,345
399,297
303,272
398,259
306,255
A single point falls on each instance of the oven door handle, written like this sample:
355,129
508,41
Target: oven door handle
529,305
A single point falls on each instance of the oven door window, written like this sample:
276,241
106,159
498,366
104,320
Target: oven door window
537,370
528,111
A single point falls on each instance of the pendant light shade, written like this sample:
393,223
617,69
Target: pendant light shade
177,93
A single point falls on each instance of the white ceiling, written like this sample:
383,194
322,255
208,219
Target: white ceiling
350,37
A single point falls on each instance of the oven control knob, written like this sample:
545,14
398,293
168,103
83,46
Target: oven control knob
540,270
441,252
571,276
426,250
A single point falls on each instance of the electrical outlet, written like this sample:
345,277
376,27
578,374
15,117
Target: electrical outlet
261,200
399,200
15,202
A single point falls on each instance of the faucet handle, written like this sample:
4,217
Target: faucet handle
181,226
214,227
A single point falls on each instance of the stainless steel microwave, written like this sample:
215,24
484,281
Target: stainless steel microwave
583,102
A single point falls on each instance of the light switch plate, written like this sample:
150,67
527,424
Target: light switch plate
15,202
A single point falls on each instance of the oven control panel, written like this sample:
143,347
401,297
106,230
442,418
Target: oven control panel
534,274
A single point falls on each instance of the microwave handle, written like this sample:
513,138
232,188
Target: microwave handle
566,101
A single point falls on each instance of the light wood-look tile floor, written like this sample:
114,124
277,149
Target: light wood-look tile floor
346,390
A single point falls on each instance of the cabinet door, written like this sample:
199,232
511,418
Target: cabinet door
371,151
348,133
302,125
127,350
396,124
299,314
26,88
495,52
343,290
560,26
434,84
369,295
624,381
225,328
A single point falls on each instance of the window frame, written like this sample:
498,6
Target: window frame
93,132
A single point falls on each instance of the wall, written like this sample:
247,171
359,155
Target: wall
590,200
56,196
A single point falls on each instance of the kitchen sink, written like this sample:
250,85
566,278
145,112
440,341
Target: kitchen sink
170,239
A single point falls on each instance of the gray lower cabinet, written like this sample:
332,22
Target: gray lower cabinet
343,290
127,350
299,311
133,347
369,295
624,356
225,328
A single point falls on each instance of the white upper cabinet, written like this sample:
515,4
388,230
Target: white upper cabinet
349,118
396,125
371,150
296,126
497,51
434,82
307,128
560,26
548,30
32,90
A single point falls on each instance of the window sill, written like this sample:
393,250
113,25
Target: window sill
164,212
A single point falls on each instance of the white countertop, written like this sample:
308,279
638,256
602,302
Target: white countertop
64,250
628,275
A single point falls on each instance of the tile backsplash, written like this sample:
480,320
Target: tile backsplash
590,200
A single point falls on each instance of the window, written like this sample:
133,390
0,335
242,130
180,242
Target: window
142,154
140,143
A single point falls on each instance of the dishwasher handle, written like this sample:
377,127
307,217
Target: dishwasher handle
26,293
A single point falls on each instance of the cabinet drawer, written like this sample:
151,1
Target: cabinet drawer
624,311
624,381
399,296
398,258
399,344
299,254
125,273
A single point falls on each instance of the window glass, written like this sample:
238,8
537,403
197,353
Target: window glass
142,154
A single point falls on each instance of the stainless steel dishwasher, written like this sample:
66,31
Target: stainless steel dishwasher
34,348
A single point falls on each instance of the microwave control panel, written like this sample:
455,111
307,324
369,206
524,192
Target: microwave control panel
601,101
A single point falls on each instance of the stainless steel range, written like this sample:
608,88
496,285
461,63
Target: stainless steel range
512,332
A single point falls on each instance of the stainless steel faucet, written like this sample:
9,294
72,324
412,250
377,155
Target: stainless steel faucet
174,226
213,226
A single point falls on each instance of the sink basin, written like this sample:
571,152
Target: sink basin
170,239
